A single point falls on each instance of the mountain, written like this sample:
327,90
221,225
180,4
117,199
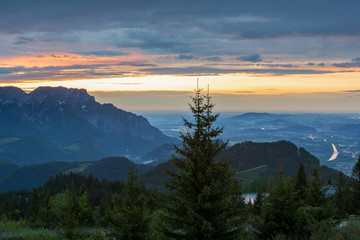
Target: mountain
250,159
61,124
251,116
6,166
28,177
114,168
159,155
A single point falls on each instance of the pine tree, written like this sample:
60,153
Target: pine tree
86,215
280,212
205,199
132,222
44,210
356,190
343,197
316,194
6,209
356,171
316,198
300,186
33,210
258,203
69,217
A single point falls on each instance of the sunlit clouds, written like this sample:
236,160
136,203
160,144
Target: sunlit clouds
271,48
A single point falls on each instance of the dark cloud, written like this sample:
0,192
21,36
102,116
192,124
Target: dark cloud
313,64
353,64
250,58
248,19
184,57
278,65
214,59
216,71
141,64
153,42
103,53
9,70
23,40
352,91
57,56
58,72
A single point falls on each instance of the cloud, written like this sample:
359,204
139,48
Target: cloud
355,63
243,19
103,53
352,91
250,58
214,59
141,64
289,65
58,72
23,40
9,70
152,41
313,64
216,71
184,57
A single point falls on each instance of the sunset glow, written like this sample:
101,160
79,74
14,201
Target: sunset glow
237,48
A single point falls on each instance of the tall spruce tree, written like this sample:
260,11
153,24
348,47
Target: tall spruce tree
356,194
69,217
317,198
33,210
205,199
132,220
301,184
280,211
356,171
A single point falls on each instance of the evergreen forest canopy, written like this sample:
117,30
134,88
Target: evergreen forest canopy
203,200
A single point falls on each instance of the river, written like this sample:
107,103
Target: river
335,154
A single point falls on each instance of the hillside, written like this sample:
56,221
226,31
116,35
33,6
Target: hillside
6,166
159,155
28,177
60,124
253,160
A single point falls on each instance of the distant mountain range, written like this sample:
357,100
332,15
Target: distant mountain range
60,124
249,159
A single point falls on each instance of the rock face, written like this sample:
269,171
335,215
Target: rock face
72,124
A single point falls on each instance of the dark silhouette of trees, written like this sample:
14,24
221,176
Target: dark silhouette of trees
34,207
356,177
280,214
301,184
131,221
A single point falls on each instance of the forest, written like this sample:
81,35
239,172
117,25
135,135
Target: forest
202,200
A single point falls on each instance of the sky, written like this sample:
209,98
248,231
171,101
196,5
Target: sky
144,55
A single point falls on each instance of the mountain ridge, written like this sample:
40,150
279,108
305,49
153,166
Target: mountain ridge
66,117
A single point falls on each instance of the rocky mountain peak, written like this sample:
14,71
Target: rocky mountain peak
58,94
12,94
61,94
